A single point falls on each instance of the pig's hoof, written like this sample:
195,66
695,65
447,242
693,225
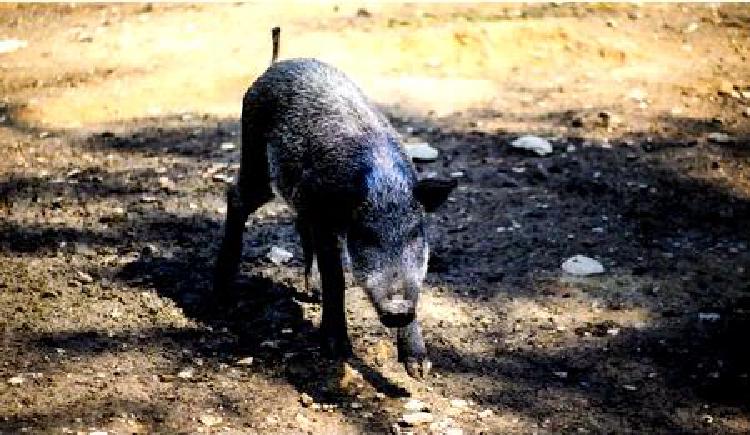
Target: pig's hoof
336,347
418,367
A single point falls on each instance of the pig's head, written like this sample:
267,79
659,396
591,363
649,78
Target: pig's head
388,246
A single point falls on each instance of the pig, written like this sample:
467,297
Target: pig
310,135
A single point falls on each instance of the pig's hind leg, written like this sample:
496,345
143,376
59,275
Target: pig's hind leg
252,190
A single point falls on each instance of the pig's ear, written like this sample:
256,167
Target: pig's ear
432,192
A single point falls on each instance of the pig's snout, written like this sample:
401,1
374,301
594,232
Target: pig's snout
397,312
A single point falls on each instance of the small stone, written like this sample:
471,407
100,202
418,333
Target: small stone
84,277
355,405
279,255
709,317
210,420
459,403
692,27
15,380
630,387
11,45
416,418
415,405
227,146
421,152
561,375
457,174
306,400
707,419
247,361
166,184
223,178
581,265
453,431
638,95
487,413
535,144
746,112
718,137
726,88
185,374
148,199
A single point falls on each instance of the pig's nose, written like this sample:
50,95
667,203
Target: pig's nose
397,313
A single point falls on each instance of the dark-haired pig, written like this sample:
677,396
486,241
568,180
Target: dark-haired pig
310,135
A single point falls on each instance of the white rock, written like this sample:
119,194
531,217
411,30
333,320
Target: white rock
228,146
417,418
414,405
536,144
421,151
637,95
84,277
582,266
11,45
457,174
210,420
16,380
459,403
709,317
223,178
185,374
718,137
279,255
166,184
245,361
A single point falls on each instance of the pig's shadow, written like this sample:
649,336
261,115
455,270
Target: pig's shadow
264,319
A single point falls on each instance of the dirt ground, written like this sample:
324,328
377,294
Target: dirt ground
117,124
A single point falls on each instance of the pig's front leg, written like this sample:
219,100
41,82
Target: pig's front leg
412,352
333,332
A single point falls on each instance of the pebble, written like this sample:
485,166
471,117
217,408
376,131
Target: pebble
223,178
306,400
459,403
535,144
487,413
11,45
84,277
166,184
421,152
279,255
185,374
248,360
15,380
457,174
416,418
210,420
709,317
147,199
582,266
227,146
718,137
415,405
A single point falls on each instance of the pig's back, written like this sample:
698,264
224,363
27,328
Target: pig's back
320,131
